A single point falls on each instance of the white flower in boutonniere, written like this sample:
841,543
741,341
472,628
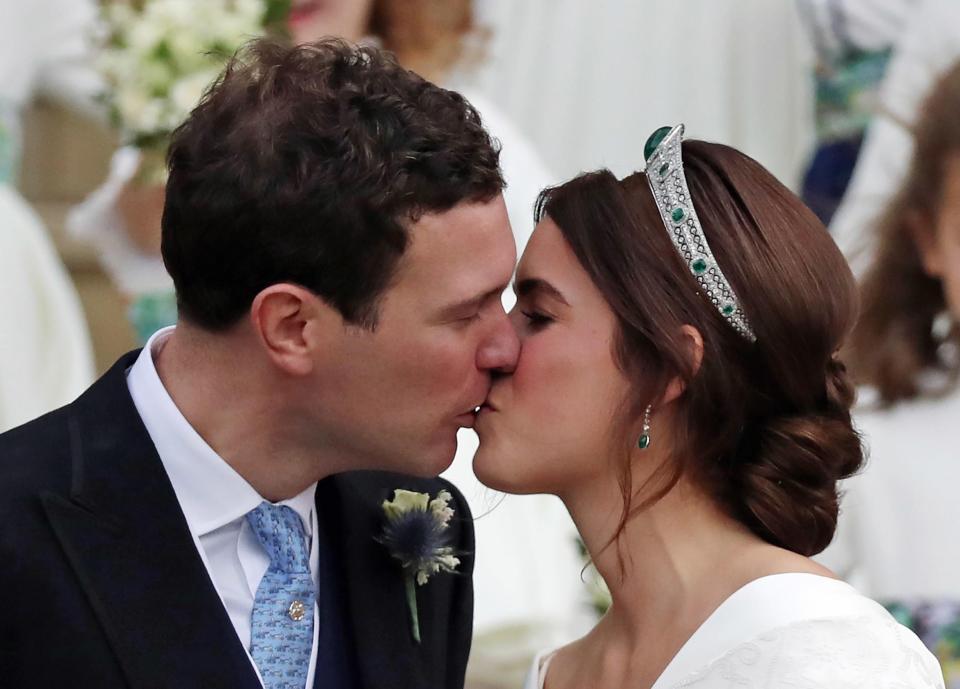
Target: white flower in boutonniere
415,533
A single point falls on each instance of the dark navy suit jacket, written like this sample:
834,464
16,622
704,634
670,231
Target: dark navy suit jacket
101,584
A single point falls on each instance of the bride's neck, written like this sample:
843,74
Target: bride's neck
673,563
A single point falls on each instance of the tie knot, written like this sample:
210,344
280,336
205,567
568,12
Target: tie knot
280,531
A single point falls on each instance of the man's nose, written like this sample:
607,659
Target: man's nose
500,350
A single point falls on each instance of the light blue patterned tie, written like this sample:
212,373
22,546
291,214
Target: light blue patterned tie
281,638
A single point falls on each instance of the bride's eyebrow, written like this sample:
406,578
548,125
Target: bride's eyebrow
534,286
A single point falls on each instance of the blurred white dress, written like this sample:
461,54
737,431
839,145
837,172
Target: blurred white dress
45,353
795,631
897,534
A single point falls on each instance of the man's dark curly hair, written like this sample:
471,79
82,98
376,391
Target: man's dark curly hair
307,165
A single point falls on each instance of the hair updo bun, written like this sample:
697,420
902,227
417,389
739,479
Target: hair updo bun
787,489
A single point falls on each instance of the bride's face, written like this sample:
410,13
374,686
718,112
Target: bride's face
548,425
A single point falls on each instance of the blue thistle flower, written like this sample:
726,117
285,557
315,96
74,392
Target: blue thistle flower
415,534
415,538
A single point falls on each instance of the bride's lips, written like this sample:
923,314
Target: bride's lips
467,419
486,408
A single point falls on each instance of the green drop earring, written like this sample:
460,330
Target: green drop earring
644,441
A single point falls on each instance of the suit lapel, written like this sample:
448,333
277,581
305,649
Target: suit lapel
127,540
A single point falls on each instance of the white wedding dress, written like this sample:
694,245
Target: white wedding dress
794,631
885,545
45,353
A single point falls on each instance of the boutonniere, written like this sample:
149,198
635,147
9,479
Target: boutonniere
415,533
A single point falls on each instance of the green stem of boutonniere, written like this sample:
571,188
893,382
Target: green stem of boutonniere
411,586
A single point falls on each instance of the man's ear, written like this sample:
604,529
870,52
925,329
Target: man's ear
694,345
291,322
924,234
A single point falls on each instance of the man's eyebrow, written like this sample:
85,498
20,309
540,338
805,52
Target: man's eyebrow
529,286
471,303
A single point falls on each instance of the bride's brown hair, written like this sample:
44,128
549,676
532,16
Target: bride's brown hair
764,428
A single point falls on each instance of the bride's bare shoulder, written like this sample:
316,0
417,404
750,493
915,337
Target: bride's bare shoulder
566,667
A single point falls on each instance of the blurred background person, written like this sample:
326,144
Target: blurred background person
45,354
853,41
895,538
929,44
528,592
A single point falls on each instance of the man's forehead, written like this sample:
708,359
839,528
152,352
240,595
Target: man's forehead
472,239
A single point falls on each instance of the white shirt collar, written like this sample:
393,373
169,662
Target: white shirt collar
211,493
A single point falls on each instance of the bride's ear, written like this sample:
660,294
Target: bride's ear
693,346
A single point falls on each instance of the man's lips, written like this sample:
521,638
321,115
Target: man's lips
467,419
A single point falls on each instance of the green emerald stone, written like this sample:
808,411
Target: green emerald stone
654,141
644,442
728,309
677,214
699,266
664,169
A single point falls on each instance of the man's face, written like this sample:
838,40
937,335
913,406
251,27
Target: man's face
393,398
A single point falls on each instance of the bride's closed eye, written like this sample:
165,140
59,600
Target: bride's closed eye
537,319
532,294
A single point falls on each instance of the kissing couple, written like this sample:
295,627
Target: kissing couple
251,500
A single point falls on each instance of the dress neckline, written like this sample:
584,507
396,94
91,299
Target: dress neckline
757,607
783,599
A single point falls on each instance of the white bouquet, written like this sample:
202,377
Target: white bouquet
159,56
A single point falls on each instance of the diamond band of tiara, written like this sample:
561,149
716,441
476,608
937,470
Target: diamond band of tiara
668,183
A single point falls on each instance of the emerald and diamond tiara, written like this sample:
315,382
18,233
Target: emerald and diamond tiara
669,186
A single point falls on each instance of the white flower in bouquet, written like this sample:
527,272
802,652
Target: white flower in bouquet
174,14
142,37
119,16
161,55
155,116
131,105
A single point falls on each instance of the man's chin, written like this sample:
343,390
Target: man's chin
433,461
429,470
